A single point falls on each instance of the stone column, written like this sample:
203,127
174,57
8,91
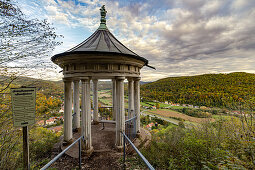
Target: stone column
120,116
137,102
114,109
86,115
76,104
95,101
130,98
68,134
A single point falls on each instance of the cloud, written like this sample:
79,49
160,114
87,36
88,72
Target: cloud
180,37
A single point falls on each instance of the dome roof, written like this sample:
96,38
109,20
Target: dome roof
101,41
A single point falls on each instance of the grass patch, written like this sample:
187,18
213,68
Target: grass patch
106,101
219,117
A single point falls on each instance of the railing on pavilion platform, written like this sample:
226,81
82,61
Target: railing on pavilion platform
128,136
62,153
130,128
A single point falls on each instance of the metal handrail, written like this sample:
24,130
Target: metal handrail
105,107
137,151
130,119
60,154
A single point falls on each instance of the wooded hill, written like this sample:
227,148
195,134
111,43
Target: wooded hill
48,88
220,90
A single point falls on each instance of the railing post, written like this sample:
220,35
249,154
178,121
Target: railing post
124,151
80,153
134,131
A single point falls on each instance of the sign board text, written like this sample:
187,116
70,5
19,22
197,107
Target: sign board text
23,106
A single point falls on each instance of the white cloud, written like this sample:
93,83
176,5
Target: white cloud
178,37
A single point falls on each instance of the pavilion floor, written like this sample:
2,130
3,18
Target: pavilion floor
105,156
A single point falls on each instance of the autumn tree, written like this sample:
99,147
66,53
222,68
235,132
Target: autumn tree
24,44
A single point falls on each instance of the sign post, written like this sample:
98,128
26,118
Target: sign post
25,148
23,109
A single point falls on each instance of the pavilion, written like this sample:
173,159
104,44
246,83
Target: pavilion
101,56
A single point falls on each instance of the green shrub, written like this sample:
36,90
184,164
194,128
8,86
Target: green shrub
181,124
215,111
145,119
41,141
219,145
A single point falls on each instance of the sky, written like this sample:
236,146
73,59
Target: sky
178,37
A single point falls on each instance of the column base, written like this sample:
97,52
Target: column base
95,122
89,151
138,134
119,148
69,142
77,130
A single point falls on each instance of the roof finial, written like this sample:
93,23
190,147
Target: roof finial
103,20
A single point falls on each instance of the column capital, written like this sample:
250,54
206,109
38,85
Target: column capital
95,80
120,78
76,79
83,79
67,80
130,78
137,78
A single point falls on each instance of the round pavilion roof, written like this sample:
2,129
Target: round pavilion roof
101,41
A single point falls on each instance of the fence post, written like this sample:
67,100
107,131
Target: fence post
80,153
124,151
135,126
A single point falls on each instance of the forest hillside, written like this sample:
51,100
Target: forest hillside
220,90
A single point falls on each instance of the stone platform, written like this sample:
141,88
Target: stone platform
102,139
105,156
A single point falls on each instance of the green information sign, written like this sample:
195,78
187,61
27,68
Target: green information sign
23,106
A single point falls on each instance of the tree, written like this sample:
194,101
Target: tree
157,105
24,42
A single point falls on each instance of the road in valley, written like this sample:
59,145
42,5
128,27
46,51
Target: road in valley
173,121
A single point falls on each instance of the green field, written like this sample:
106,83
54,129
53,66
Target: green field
108,100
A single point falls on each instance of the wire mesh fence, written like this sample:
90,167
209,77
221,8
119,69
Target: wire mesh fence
130,128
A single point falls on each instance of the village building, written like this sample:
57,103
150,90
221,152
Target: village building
40,123
56,129
50,121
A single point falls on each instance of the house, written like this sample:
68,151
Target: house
236,112
61,110
154,107
61,118
40,123
50,121
56,129
190,105
149,126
